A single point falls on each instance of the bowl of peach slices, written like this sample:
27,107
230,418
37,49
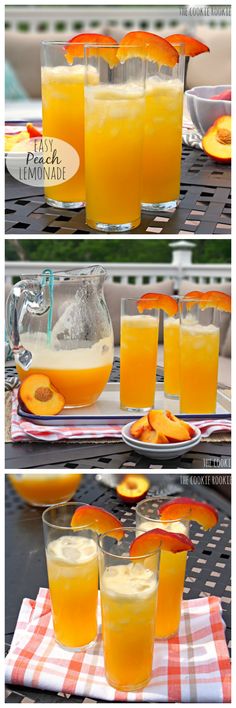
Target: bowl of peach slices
161,435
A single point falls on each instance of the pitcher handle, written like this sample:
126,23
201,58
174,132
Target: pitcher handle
25,296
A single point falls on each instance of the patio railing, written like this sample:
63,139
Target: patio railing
138,273
121,18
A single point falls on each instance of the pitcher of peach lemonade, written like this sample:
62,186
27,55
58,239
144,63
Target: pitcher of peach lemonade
59,325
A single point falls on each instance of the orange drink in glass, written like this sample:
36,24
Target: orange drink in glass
138,356
73,577
162,136
63,116
199,354
45,489
114,118
172,567
128,599
171,356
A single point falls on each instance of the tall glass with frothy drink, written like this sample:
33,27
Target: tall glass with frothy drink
172,566
199,355
138,356
128,599
114,116
162,135
73,577
63,115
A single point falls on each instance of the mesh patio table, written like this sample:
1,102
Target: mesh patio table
208,568
205,205
107,454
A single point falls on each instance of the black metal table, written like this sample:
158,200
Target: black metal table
108,454
208,568
204,208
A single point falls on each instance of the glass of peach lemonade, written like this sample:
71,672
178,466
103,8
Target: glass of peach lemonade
128,600
171,328
114,120
199,356
59,326
168,519
71,554
62,80
138,355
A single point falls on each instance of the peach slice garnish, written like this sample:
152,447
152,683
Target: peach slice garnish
147,45
97,519
33,131
160,540
75,47
150,301
192,46
186,508
133,488
212,298
37,395
217,142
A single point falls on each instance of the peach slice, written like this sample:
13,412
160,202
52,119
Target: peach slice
133,488
139,426
75,48
97,519
177,420
212,298
174,429
37,395
150,301
152,436
186,508
217,142
160,540
33,131
147,45
192,46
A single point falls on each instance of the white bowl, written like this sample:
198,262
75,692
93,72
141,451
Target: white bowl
203,110
160,452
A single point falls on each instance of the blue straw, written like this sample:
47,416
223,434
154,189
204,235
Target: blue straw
48,272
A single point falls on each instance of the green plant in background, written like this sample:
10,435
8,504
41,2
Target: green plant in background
114,251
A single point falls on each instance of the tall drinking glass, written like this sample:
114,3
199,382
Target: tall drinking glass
199,354
138,356
63,116
171,355
114,110
128,599
73,577
162,136
172,566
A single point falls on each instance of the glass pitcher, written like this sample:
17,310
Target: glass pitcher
59,325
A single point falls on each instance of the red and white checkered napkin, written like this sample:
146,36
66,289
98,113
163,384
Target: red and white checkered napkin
23,431
192,667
